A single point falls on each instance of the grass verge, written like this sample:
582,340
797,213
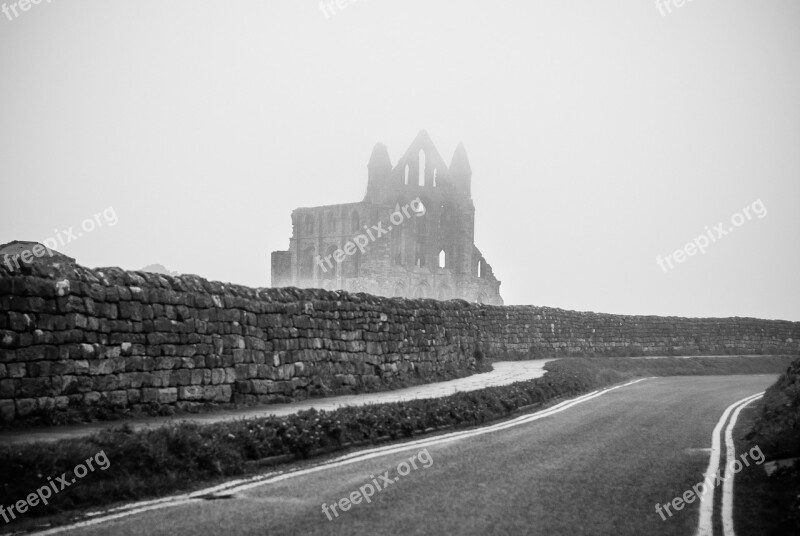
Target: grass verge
773,502
150,463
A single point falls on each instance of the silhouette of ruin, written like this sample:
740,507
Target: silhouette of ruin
412,236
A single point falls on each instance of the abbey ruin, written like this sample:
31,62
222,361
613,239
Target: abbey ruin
412,236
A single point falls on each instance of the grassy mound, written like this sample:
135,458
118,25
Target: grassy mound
777,432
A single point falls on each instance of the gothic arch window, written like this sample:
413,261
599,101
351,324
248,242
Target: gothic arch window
442,259
351,265
399,290
421,291
445,215
306,263
421,221
419,254
444,293
331,223
421,167
398,241
480,268
327,267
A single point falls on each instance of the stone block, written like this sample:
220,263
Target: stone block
91,398
166,395
17,370
192,392
180,377
81,366
217,376
25,406
101,366
217,393
134,396
33,387
118,398
245,386
197,376
286,372
8,388
165,363
61,368
108,382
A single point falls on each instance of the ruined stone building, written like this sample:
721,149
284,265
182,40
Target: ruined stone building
412,236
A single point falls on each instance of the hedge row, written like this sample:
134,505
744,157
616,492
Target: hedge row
777,432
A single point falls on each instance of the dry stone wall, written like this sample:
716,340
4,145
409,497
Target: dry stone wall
78,338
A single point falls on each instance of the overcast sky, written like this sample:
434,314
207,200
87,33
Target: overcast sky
601,135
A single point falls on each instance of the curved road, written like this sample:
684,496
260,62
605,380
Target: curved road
595,467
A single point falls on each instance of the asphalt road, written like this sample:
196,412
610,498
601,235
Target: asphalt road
598,467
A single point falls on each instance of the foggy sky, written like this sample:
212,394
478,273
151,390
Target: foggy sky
601,135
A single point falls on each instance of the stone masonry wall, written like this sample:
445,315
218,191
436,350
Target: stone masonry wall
73,337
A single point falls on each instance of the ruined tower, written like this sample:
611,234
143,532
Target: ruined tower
412,235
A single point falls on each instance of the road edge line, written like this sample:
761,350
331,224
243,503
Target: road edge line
705,525
727,485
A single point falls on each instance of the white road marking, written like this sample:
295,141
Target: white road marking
705,526
239,485
727,486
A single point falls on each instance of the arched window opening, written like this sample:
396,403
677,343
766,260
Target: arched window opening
422,222
350,265
406,174
399,290
421,167
328,264
442,259
398,241
480,268
444,293
306,263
